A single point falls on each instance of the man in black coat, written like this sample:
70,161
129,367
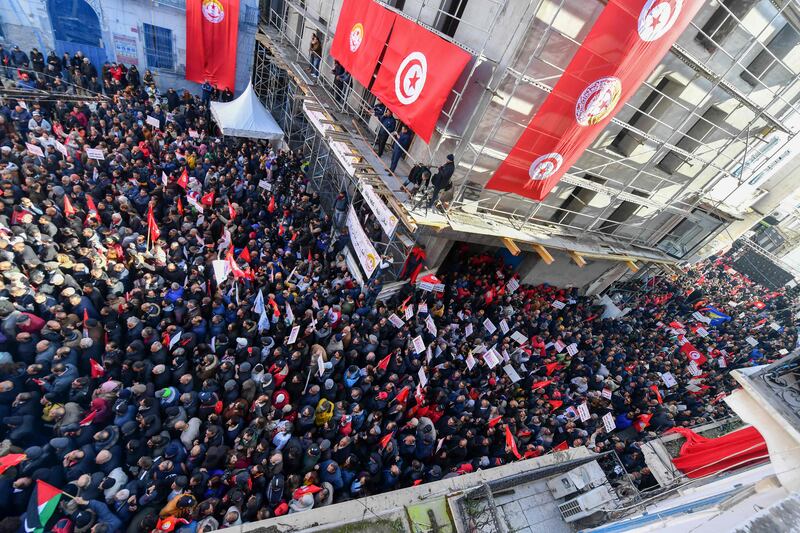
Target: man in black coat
441,180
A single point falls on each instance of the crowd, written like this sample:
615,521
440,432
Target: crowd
183,348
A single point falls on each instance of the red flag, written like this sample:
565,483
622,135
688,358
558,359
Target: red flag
97,369
561,447
402,396
385,439
654,388
231,210
68,209
155,233
510,443
12,459
623,47
237,272
180,206
207,199
494,421
384,363
361,33
417,74
87,421
541,384
271,206
555,404
310,257
642,421
552,367
183,179
212,28
245,254
85,317
693,354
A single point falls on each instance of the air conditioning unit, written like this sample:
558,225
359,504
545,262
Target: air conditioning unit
584,477
586,504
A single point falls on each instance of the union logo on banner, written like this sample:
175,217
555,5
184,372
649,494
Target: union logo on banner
545,166
598,100
356,36
410,78
213,11
657,17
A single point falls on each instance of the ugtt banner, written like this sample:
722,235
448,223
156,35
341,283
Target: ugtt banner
625,44
212,29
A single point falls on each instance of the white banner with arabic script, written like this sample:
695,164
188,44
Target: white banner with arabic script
366,253
385,217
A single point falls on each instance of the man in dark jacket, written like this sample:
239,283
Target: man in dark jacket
441,180
387,127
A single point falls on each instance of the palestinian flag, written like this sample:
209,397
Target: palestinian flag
41,506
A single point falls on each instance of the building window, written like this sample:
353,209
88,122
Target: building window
158,47
576,201
449,16
779,47
623,212
654,107
711,119
722,22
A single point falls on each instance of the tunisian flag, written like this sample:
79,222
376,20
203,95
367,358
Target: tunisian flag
212,28
623,47
693,354
361,34
417,74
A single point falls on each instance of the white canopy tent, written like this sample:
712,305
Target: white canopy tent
246,117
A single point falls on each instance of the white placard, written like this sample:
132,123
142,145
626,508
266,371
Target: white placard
721,362
700,317
751,341
409,312
511,373
572,349
606,394
320,365
419,344
490,327
164,179
583,412
783,351
382,213
775,326
519,337
559,304
429,323
153,121
504,326
694,369
264,184
422,308
367,254
423,379
608,423
669,380
491,358
703,332
35,150
559,346
470,361
95,153
60,147
193,134
732,303
396,321
221,269
512,285
293,335
468,330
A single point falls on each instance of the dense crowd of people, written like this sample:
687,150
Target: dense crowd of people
182,346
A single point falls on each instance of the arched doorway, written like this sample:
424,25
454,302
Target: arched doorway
76,27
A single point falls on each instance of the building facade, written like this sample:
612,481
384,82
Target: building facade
705,148
150,34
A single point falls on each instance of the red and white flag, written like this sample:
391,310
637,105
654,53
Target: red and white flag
212,30
693,354
155,233
361,34
68,209
183,179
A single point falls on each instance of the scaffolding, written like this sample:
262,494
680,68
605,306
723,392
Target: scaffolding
481,126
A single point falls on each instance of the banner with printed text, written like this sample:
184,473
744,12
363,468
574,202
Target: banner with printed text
367,255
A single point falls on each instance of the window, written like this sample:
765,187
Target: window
654,107
449,15
721,23
691,141
576,201
397,4
158,47
623,212
779,47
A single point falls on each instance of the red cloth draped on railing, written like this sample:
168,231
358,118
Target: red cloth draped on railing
700,456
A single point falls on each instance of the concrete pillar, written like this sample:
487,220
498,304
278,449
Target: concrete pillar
436,249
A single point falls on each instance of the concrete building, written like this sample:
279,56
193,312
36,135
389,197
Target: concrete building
150,34
704,149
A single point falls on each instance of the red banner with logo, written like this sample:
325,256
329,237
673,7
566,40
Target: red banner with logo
361,34
693,354
417,74
212,28
623,47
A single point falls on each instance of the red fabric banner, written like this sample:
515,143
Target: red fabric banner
693,354
212,28
417,74
700,456
623,47
361,34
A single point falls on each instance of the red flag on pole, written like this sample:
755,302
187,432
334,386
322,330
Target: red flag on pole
68,209
97,369
642,421
155,233
361,34
555,404
541,384
561,447
494,421
180,206
245,254
417,74
212,29
271,206
183,179
552,367
623,47
12,459
207,199
384,363
385,439
231,210
693,354
402,396
654,388
510,443
87,421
